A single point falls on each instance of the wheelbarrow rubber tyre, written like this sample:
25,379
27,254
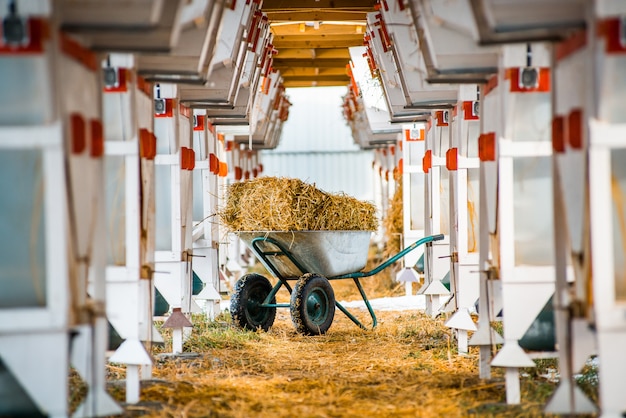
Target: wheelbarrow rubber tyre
251,290
312,304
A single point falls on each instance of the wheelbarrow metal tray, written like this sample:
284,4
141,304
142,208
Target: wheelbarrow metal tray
329,253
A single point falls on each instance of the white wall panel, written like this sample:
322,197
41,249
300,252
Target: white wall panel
317,146
315,121
344,171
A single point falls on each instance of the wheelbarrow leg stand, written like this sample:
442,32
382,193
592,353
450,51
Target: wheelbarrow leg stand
281,282
367,304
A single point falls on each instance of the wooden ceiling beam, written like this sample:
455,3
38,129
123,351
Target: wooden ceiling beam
305,30
313,42
321,10
318,63
318,4
312,53
319,15
287,72
314,83
316,57
332,77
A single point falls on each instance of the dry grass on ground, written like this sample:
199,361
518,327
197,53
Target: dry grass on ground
406,367
393,224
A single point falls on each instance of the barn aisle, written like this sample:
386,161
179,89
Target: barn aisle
407,367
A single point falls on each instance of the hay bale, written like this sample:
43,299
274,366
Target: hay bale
284,204
394,224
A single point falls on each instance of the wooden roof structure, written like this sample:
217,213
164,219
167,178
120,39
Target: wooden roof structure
313,36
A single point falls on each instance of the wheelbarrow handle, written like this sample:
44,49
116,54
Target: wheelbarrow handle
394,258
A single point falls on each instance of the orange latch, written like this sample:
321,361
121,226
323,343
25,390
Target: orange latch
427,161
77,131
264,21
268,61
187,158
214,164
253,26
575,128
558,138
452,162
264,60
353,85
191,158
199,123
266,85
255,33
382,32
613,31
487,146
223,169
97,139
470,110
147,144
442,117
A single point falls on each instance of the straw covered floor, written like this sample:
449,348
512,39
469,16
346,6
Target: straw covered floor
406,367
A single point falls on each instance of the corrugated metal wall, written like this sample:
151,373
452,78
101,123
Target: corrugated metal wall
317,147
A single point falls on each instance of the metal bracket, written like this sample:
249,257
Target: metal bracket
110,77
159,106
14,28
454,257
528,77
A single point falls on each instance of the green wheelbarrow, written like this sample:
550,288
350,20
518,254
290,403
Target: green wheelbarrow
312,259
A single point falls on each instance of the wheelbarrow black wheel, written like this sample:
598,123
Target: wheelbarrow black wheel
312,304
245,304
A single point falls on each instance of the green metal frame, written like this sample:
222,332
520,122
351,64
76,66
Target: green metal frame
264,256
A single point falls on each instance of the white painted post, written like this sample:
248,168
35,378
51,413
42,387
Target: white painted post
132,384
133,354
